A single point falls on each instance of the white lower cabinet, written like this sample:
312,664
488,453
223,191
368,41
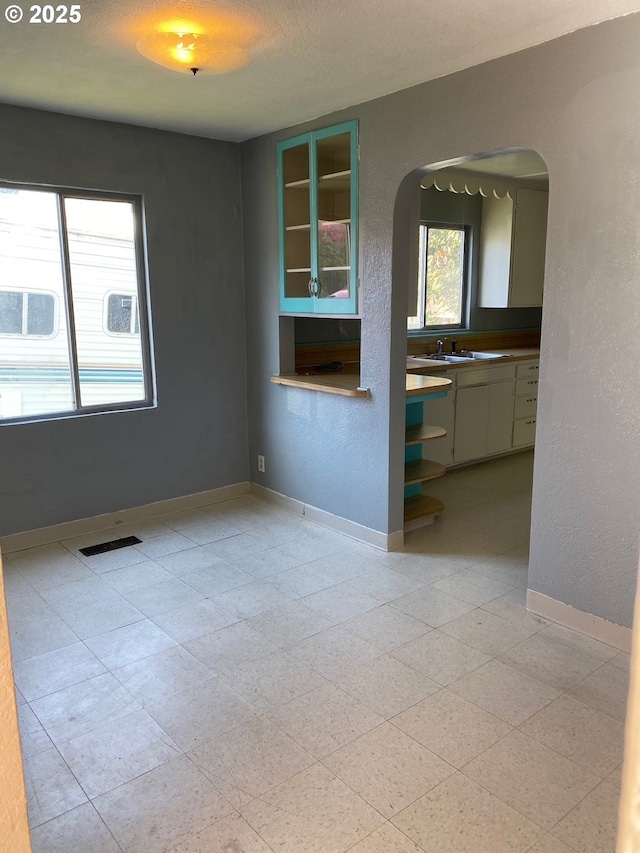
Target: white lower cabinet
489,411
483,412
500,426
524,432
483,421
471,424
525,405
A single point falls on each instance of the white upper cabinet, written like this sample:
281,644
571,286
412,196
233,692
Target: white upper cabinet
513,239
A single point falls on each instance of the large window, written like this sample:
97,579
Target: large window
73,320
442,278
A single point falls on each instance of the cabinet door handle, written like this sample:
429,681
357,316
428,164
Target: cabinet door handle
532,381
532,399
529,423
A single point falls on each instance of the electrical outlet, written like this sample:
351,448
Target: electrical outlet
261,464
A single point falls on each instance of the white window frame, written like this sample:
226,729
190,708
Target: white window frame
422,279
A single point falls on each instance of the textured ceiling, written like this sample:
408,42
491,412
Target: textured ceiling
308,57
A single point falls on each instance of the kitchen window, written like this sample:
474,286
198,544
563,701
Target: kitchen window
74,333
442,278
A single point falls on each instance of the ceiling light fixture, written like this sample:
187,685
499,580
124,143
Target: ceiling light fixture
197,53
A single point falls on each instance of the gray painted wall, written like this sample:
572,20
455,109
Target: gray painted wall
576,101
196,438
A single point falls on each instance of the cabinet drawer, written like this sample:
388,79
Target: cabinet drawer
525,407
526,387
482,375
528,369
524,432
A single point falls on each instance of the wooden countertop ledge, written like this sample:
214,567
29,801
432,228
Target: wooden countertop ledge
348,384
345,384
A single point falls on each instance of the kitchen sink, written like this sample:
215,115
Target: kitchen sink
482,355
463,355
432,356
453,357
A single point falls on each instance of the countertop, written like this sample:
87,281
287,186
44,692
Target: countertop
420,365
348,385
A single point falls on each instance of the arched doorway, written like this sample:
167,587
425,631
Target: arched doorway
463,230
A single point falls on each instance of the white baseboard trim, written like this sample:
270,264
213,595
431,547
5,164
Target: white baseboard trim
395,541
278,499
80,527
586,623
70,529
382,541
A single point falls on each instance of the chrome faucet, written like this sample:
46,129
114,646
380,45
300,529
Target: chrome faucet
440,346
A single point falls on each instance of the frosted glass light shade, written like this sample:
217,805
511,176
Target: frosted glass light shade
185,51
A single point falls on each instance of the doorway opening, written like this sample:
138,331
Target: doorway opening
474,278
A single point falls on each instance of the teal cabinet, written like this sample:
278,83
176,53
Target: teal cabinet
318,208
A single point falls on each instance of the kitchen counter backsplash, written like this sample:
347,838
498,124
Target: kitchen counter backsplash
347,353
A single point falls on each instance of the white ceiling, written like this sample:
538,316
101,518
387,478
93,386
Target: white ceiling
308,57
516,164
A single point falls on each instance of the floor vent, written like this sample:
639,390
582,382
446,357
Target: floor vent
92,550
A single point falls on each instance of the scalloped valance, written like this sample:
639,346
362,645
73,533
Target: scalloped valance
458,181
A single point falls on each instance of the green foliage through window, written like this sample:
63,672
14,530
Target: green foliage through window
441,278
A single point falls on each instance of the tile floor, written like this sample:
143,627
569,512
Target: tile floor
246,680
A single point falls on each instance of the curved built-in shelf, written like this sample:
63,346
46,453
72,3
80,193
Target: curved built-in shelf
420,509
418,433
417,385
421,470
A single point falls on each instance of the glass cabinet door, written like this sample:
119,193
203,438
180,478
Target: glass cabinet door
333,193
318,193
296,225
